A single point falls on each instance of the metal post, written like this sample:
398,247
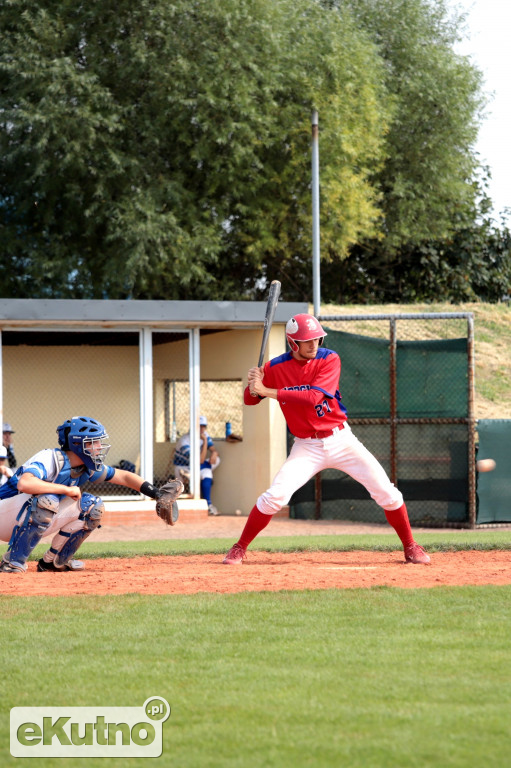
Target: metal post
166,408
194,374
316,277
173,431
393,402
146,404
317,497
472,506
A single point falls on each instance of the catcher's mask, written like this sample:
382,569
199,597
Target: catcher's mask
303,328
85,437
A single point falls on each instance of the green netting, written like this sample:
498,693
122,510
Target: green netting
365,370
431,376
432,470
494,488
431,458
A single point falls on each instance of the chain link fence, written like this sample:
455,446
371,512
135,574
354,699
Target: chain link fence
221,402
407,383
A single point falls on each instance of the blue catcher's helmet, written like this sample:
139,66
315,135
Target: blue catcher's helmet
84,436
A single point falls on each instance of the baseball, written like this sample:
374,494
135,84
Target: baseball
486,465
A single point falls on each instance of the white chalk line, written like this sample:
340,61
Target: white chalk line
348,567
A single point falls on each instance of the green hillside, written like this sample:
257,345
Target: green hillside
492,327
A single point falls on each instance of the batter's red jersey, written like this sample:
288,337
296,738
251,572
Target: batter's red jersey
308,391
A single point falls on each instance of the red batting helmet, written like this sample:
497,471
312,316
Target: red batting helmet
303,328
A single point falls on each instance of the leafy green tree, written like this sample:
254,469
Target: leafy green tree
427,179
427,183
162,150
472,264
158,149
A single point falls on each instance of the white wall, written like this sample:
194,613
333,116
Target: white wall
247,468
44,386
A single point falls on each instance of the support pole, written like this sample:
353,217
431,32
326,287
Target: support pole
194,412
393,400
472,426
146,404
316,278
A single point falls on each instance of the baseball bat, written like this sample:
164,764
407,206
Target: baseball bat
271,306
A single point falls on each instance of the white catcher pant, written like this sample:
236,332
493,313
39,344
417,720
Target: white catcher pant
69,511
342,451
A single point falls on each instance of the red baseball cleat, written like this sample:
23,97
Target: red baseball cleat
235,555
416,554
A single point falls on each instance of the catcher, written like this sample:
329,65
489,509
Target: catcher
43,498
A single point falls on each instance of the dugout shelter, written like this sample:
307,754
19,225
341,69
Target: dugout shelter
146,370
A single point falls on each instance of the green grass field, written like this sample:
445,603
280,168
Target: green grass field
438,541
356,678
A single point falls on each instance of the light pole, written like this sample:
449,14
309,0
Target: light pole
316,278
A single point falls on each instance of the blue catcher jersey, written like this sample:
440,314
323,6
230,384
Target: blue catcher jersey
52,465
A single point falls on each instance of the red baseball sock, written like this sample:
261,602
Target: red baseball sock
254,525
398,519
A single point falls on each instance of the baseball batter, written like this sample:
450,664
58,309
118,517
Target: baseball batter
305,382
43,498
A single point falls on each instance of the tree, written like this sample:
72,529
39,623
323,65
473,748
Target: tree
472,264
428,177
161,150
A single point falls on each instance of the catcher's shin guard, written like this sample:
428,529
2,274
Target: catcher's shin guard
70,537
36,516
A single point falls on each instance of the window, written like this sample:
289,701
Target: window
221,401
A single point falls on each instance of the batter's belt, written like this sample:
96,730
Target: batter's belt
326,433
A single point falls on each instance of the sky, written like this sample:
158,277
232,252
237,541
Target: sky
489,46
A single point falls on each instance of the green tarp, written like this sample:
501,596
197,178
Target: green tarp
431,458
431,376
432,379
494,488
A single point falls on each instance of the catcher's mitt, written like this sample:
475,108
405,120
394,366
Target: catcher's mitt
166,505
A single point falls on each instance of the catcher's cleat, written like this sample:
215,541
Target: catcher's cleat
416,554
212,510
72,565
235,555
7,567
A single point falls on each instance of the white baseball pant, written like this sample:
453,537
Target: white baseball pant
69,511
342,451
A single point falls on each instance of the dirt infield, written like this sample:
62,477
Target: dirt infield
263,571
179,574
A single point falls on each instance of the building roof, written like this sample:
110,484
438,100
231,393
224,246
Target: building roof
37,313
